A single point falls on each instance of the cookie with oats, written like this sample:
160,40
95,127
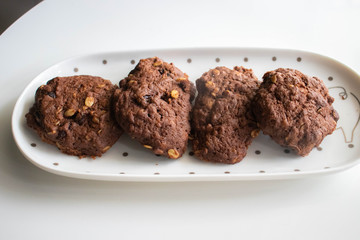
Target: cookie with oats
222,120
153,106
74,113
295,110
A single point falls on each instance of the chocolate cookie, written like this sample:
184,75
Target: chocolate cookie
153,106
222,120
294,110
73,113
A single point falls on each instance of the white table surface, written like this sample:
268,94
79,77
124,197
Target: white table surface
35,204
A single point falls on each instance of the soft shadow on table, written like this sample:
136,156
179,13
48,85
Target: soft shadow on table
21,178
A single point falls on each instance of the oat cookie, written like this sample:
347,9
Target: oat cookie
294,110
73,113
153,106
222,121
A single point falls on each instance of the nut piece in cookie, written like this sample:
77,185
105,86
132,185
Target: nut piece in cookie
294,110
74,113
153,106
222,121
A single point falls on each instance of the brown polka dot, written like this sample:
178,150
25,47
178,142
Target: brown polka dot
286,151
351,145
191,172
319,148
191,153
246,59
217,59
33,144
261,171
326,167
121,173
125,154
297,170
56,164
104,61
227,172
330,78
132,61
274,59
257,152
298,59
189,60
156,173
76,69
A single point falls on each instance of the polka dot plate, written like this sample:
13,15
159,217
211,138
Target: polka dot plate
127,160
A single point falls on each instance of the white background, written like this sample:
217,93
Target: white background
35,204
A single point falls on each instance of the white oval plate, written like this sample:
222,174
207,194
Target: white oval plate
265,158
